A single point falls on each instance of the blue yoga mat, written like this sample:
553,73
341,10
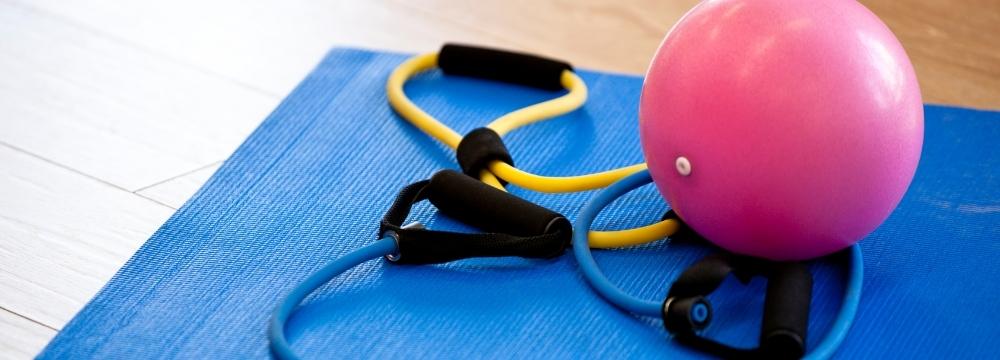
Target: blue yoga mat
314,179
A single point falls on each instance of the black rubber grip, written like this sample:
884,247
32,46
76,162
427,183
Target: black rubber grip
786,311
786,305
436,247
475,203
679,317
480,147
703,277
515,227
501,65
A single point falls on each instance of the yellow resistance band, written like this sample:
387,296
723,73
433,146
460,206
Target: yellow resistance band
575,98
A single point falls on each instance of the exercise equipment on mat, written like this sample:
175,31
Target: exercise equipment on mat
515,227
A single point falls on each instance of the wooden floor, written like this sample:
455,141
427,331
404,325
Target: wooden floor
115,112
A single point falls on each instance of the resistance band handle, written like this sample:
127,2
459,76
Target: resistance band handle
500,65
514,227
786,305
435,247
475,203
702,277
786,311
688,314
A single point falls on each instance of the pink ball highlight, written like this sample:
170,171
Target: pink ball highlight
800,124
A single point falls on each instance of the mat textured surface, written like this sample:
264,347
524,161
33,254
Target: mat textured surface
313,180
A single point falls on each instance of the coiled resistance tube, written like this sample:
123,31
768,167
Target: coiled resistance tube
510,226
618,297
276,334
573,99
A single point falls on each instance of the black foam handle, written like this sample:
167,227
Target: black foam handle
786,311
501,65
475,203
703,277
436,247
478,149
514,227
679,314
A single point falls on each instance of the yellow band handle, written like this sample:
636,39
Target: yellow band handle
572,100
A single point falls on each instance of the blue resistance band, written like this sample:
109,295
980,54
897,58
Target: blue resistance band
387,246
276,335
623,300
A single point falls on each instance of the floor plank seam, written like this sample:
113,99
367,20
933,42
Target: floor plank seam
138,47
78,172
155,201
29,319
175,177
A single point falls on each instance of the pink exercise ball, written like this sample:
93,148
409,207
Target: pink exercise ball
781,129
